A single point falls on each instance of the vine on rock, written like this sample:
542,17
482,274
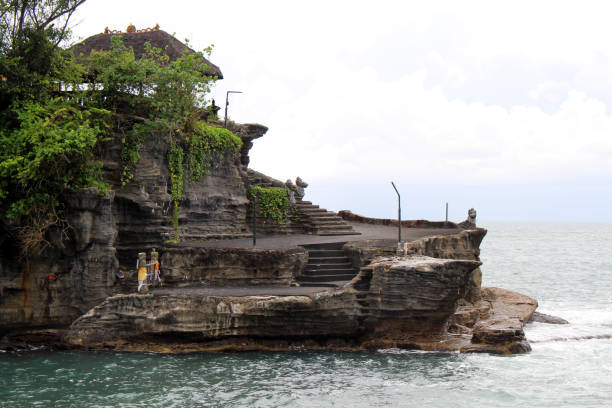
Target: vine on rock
171,97
272,203
206,145
194,157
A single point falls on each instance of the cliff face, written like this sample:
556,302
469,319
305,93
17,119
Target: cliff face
391,298
107,232
66,280
414,302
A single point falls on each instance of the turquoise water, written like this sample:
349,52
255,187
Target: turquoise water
567,267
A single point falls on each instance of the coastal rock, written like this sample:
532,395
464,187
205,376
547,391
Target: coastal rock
544,318
108,231
391,300
495,322
464,245
68,278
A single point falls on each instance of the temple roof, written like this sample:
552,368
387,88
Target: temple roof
136,40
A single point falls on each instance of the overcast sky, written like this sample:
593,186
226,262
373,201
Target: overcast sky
501,106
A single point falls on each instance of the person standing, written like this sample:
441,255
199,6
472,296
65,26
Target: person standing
141,266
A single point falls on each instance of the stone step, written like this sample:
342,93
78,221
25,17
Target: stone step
316,267
326,278
325,253
329,267
316,260
327,219
321,284
313,211
330,272
325,246
303,206
325,216
327,223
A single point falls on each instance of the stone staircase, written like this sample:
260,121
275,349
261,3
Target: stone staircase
319,221
327,266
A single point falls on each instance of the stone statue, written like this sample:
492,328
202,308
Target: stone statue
301,185
471,220
291,190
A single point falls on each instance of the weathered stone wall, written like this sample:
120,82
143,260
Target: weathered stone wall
232,266
349,216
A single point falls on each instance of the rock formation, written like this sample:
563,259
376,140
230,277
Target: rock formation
416,302
108,232
393,298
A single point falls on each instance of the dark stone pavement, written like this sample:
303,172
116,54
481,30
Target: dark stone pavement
368,232
240,290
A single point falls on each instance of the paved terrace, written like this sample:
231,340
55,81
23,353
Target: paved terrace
367,231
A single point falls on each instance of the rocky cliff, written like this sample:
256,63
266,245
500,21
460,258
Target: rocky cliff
107,232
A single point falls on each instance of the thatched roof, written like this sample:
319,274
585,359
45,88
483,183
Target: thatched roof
136,40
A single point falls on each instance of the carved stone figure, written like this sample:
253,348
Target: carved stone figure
301,185
471,220
291,190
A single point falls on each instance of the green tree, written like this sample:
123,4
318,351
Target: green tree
30,33
47,138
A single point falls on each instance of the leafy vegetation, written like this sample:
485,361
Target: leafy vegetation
52,139
272,203
48,141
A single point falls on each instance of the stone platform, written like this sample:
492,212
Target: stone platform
367,231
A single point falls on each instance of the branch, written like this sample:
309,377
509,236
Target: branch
64,28
58,12
22,13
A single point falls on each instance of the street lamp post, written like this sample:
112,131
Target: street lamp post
399,215
255,221
226,104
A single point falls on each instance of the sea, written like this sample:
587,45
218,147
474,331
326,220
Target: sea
567,267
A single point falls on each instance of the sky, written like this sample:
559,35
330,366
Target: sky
504,106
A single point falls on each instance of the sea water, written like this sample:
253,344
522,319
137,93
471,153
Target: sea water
566,267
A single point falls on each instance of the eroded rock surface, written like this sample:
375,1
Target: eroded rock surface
496,321
392,300
107,232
